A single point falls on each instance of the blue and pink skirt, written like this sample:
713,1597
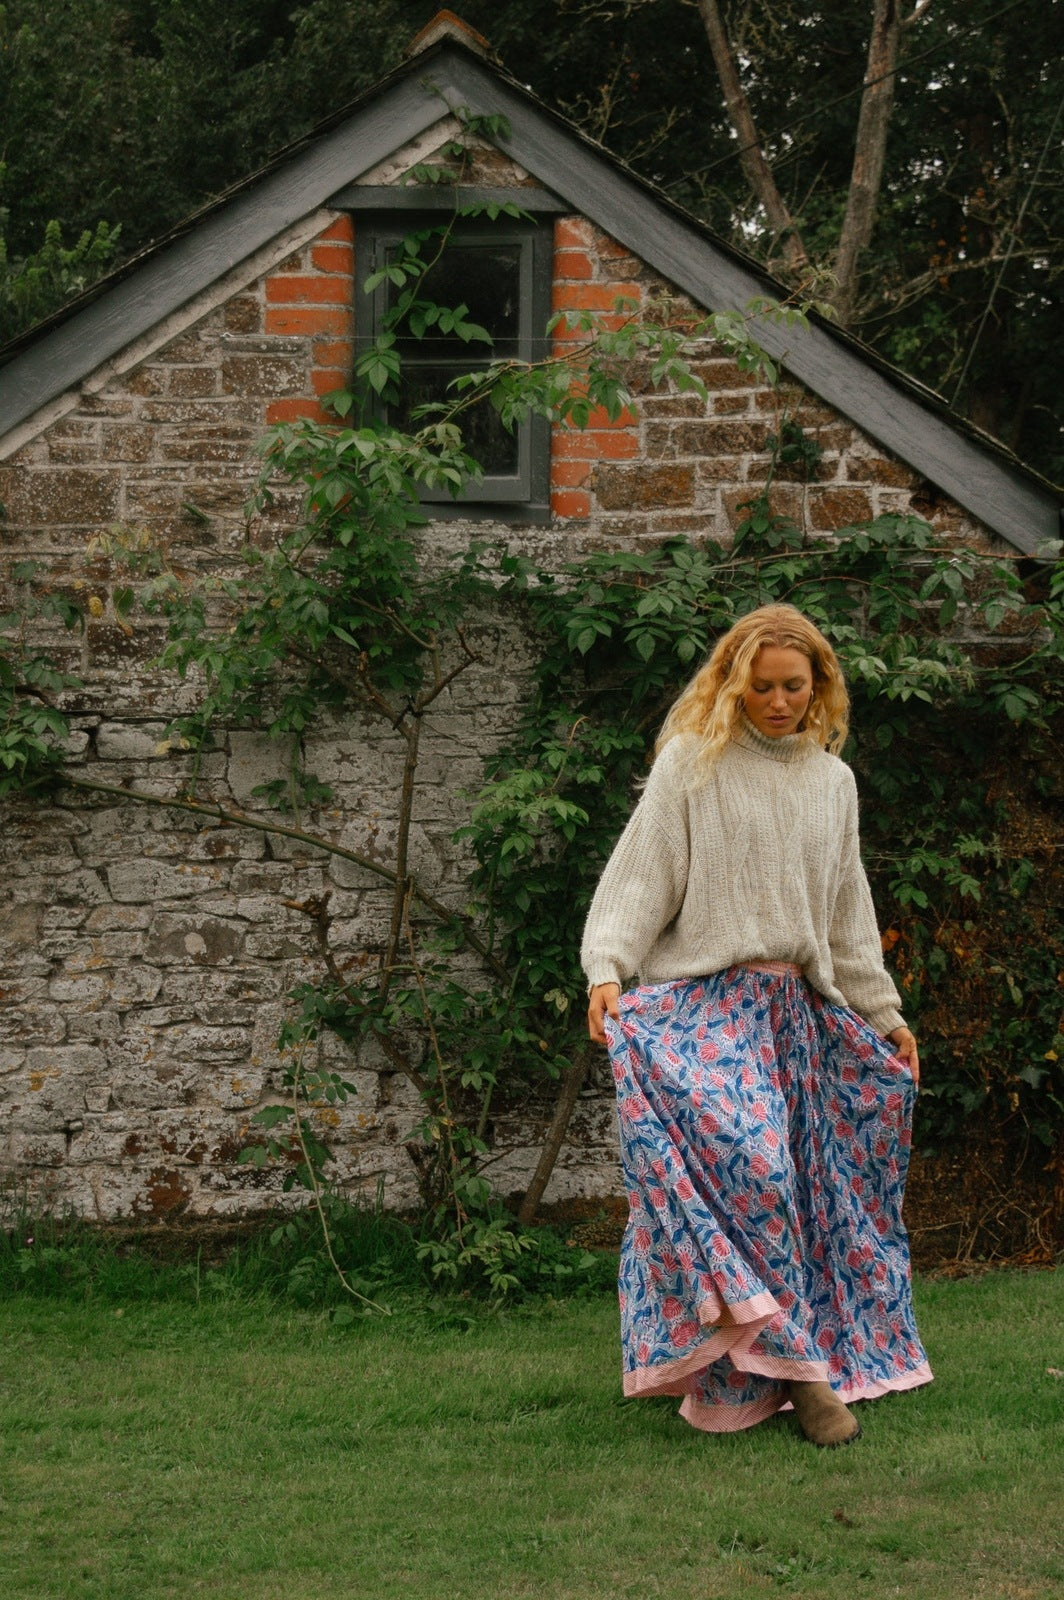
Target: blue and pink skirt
765,1139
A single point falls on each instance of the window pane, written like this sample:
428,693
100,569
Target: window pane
501,274
487,279
484,436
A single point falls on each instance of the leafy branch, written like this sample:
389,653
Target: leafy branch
342,614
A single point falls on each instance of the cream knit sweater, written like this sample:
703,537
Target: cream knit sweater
755,861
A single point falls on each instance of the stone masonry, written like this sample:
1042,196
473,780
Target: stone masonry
146,952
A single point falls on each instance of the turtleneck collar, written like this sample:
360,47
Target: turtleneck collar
789,747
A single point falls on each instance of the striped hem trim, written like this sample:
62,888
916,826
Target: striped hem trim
724,1418
874,1391
741,1324
729,1419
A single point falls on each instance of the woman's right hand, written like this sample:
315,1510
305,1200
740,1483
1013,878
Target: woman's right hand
602,1000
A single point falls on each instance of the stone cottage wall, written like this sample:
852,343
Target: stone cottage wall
145,953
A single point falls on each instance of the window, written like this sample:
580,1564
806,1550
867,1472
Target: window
502,272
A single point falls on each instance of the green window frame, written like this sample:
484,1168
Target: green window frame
503,270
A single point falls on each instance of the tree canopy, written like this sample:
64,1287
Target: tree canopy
132,113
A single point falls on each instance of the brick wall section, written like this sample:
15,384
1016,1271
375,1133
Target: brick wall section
685,466
170,446
314,299
583,281
146,955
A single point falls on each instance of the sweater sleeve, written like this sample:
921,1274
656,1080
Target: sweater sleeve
856,949
643,885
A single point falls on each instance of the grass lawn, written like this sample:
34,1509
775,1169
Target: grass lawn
250,1452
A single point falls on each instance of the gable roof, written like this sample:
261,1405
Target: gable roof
322,170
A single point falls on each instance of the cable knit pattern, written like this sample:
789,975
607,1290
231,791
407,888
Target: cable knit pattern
758,860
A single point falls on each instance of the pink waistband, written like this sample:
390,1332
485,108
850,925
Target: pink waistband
782,968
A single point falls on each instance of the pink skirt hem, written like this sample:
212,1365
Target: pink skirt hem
732,1419
734,1341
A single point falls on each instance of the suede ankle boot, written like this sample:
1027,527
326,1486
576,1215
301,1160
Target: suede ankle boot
822,1416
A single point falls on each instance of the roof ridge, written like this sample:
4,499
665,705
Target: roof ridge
446,25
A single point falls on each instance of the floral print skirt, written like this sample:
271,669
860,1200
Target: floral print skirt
765,1140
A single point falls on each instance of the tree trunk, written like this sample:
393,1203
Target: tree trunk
568,1094
756,169
870,148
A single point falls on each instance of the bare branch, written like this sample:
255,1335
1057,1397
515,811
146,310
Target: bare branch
869,153
318,910
888,301
240,819
751,155
427,696
412,734
569,1093
386,709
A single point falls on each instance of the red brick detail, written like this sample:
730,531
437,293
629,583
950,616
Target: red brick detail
616,446
308,290
563,336
595,446
608,247
569,264
569,474
343,228
307,319
293,410
326,379
333,353
314,303
333,258
571,503
593,296
572,233
574,445
579,249
600,418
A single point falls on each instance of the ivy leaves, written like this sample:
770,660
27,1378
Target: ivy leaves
33,728
342,612
933,715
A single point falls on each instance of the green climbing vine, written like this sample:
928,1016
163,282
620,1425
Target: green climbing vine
953,657
956,746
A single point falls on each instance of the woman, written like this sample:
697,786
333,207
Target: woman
764,1123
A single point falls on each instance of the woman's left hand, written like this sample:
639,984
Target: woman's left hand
905,1047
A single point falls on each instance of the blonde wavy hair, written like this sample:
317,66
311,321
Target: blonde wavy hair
712,704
